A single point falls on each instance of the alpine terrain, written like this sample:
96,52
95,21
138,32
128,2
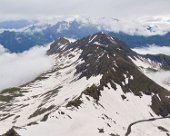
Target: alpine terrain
97,86
20,35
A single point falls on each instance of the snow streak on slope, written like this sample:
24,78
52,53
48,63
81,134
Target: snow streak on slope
106,115
17,69
56,89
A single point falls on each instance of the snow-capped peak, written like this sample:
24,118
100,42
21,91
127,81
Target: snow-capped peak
91,90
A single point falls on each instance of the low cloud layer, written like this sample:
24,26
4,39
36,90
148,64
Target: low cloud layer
163,80
153,49
17,69
164,76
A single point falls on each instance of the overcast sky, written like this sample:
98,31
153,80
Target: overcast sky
93,8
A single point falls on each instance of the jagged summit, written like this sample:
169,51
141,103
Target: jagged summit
56,46
103,38
93,42
62,40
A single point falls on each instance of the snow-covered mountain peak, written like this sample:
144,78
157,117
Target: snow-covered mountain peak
94,89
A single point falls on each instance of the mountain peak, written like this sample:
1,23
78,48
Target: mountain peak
89,81
101,54
92,42
102,38
110,42
58,45
62,40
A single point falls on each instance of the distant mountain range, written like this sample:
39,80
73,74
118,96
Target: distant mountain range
140,41
15,24
30,34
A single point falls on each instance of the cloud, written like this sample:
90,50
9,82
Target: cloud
163,80
129,12
160,25
17,69
153,49
111,8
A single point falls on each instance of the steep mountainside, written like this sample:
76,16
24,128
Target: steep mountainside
95,88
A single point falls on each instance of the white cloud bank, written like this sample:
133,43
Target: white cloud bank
17,69
153,49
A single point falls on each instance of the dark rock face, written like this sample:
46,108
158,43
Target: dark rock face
161,103
109,57
55,47
11,132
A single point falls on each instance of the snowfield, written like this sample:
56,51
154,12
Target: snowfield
57,103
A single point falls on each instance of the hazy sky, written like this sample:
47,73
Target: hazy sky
93,8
